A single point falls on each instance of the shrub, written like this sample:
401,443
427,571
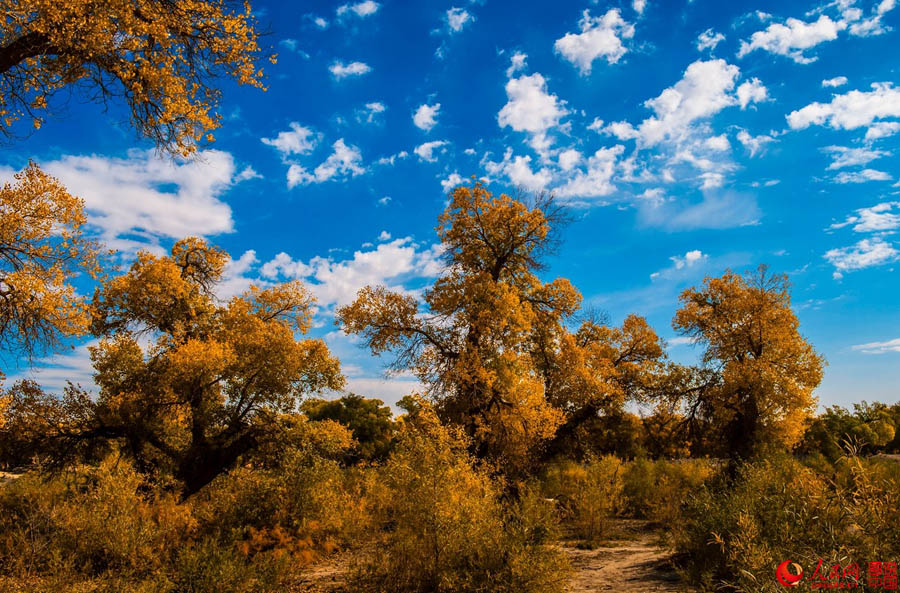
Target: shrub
735,534
656,489
587,494
446,528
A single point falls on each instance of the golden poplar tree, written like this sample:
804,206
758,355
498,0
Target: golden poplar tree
187,385
473,341
159,56
755,387
42,248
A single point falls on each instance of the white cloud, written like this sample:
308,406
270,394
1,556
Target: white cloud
391,263
719,143
793,37
370,112
457,18
341,70
320,22
879,218
596,179
864,254
843,156
360,9
882,129
344,161
709,39
704,90
568,159
834,82
298,140
53,373
530,108
425,116
688,260
516,63
426,151
390,160
752,91
639,6
384,236
862,176
599,37
851,110
149,196
453,180
246,174
878,347
754,144
519,172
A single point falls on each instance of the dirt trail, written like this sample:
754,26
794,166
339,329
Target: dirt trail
638,565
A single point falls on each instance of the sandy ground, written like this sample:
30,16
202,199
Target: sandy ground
637,564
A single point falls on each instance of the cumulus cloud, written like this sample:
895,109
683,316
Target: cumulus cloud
600,37
531,108
709,39
880,218
457,18
149,196
851,110
298,140
340,70
336,282
516,63
704,90
370,112
864,254
453,180
595,180
426,151
425,117
882,129
752,91
754,144
344,161
519,172
639,6
793,38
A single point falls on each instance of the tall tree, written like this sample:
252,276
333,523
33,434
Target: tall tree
473,343
213,383
42,247
159,56
755,387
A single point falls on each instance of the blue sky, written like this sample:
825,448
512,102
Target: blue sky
688,137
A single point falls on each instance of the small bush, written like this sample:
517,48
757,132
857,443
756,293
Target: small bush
656,490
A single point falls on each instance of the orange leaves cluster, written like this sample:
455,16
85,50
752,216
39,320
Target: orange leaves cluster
42,246
158,55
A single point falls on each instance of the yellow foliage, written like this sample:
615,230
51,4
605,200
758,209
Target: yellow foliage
158,55
761,372
42,247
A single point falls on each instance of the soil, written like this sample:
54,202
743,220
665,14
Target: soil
634,562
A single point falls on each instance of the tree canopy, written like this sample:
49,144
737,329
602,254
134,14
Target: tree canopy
187,385
158,56
42,247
